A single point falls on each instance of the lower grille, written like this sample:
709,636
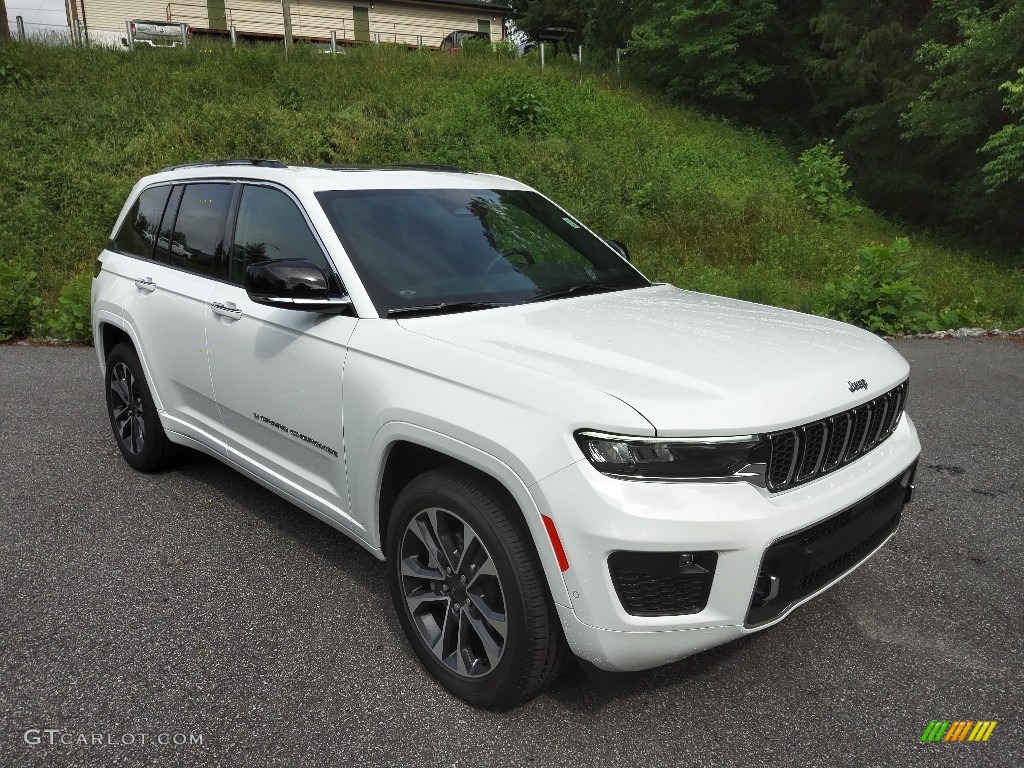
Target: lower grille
808,560
662,583
841,564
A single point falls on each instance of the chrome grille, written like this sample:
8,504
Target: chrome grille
807,452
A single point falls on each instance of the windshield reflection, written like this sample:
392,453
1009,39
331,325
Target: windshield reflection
423,247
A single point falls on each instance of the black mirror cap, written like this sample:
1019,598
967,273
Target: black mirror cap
286,283
619,248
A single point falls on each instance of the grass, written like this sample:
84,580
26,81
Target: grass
700,203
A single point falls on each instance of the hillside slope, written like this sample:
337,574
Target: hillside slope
700,204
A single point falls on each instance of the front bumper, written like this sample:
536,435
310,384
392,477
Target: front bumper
596,515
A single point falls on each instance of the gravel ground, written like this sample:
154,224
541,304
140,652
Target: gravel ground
194,605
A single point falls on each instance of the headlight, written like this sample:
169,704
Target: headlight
743,457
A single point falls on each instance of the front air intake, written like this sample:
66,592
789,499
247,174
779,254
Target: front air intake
663,583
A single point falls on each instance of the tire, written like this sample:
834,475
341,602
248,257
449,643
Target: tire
133,416
487,631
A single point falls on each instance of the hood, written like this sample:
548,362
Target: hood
690,363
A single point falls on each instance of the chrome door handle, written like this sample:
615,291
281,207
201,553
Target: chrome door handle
231,313
145,284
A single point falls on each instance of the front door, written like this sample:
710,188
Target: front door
277,373
361,23
218,15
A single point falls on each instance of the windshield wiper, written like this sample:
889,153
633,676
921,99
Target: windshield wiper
579,290
446,306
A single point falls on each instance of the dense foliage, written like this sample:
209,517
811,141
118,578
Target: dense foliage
700,203
924,97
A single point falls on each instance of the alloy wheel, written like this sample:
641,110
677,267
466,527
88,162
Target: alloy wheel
127,409
453,592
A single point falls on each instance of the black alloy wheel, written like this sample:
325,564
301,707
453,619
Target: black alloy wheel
469,589
133,415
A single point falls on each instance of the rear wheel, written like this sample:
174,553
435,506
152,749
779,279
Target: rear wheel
133,415
469,590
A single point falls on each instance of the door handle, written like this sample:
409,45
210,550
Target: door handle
228,310
145,284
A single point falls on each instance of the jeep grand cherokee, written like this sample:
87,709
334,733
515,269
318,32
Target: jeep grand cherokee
550,453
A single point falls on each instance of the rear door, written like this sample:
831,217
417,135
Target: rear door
164,300
278,373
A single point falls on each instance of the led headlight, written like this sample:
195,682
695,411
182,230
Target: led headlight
743,457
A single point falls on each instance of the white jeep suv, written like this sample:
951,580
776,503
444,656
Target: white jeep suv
550,452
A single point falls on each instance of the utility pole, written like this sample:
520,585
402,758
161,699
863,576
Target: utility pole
5,33
286,13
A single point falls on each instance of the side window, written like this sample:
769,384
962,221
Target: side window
138,232
197,238
163,237
271,227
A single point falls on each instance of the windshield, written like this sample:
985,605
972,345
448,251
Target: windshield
420,248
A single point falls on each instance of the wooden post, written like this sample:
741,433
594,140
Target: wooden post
334,41
286,15
21,28
234,37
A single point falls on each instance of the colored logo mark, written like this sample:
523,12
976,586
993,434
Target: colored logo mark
959,730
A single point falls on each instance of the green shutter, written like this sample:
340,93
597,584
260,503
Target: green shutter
361,23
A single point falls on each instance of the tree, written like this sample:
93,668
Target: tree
604,24
703,51
1007,144
970,108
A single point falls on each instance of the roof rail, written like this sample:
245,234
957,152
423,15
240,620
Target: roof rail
412,167
207,163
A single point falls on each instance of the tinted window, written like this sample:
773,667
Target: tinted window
271,227
138,233
197,241
414,247
163,239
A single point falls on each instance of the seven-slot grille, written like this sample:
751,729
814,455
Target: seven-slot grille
812,450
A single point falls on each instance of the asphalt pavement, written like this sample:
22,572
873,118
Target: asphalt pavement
193,618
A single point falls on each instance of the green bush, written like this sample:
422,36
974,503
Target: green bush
70,319
821,181
962,316
522,103
12,72
880,295
505,48
291,98
18,300
475,47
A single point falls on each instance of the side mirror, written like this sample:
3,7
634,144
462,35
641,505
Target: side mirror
619,248
292,284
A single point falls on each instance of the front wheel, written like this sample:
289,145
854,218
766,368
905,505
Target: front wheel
469,589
